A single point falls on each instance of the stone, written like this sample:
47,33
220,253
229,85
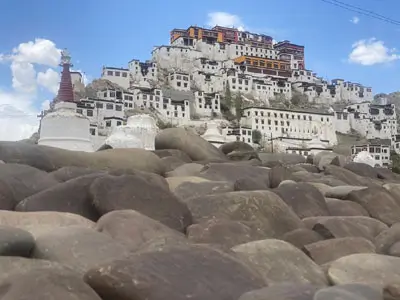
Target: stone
174,182
197,272
282,158
341,192
50,159
283,291
263,209
379,203
244,156
394,250
278,261
301,237
189,169
193,145
78,247
24,180
46,285
308,177
14,265
233,173
67,173
367,268
43,221
339,227
15,242
137,192
191,189
277,175
349,177
323,252
235,146
7,200
133,230
71,196
174,153
308,167
171,163
353,291
304,199
387,238
222,232
362,169
339,207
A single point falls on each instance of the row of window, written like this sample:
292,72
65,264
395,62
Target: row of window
282,115
117,73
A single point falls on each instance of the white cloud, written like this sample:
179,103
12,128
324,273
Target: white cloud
355,20
371,52
45,105
18,114
225,19
49,79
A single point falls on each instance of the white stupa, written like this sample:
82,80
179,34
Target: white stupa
365,158
213,135
64,127
139,132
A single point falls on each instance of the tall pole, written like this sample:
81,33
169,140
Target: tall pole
272,144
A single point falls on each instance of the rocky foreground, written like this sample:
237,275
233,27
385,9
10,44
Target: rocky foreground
189,221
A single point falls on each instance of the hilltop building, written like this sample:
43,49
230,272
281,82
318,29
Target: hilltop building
186,83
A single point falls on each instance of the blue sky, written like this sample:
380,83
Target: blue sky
101,32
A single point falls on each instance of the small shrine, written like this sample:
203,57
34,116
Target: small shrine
139,132
213,134
63,127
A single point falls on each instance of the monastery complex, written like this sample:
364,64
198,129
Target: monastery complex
203,75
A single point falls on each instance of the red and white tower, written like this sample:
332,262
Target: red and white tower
65,91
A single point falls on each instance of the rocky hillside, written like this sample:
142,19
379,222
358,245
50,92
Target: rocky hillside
189,220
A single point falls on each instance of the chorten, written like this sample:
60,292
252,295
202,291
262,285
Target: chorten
213,135
64,127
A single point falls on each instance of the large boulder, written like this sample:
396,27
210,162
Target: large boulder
379,203
339,227
349,177
387,238
50,159
196,189
197,272
171,163
301,237
173,153
278,261
67,173
339,207
71,196
304,176
283,291
354,291
281,158
134,230
235,146
15,242
189,169
47,284
362,169
323,252
38,222
24,180
192,144
304,199
78,247
226,233
366,268
149,196
262,209
258,177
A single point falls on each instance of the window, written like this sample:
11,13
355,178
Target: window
118,107
112,94
79,111
117,73
89,113
110,73
108,123
99,105
109,106
92,131
185,85
178,83
124,74
119,123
